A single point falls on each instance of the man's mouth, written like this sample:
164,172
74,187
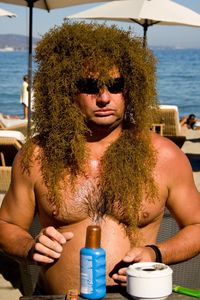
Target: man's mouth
104,112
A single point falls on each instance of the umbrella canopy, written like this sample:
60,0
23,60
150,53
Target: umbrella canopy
143,12
47,5
6,13
50,4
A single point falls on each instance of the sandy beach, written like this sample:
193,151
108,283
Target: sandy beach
191,148
7,292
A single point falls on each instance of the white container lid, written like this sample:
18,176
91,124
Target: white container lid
149,270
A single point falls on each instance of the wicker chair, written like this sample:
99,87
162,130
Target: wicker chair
29,273
168,118
10,143
186,273
5,175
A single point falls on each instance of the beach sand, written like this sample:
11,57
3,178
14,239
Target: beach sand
191,148
7,292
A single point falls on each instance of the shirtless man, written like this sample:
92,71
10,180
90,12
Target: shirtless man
93,160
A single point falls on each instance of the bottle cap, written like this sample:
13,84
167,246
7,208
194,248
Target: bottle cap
72,295
93,236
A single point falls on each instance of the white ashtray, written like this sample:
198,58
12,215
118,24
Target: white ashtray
149,280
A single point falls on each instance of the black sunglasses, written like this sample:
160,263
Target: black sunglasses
93,86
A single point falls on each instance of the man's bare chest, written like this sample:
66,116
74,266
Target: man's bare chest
83,200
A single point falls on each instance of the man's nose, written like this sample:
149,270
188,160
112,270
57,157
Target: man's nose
103,96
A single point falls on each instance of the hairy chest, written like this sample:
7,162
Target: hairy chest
84,201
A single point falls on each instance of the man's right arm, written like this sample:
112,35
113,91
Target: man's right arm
16,216
17,212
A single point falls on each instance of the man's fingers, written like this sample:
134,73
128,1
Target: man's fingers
134,255
128,258
54,234
68,235
39,258
119,278
41,249
51,244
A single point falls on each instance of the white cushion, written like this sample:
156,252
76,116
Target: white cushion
13,134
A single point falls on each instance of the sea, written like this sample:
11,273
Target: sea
178,79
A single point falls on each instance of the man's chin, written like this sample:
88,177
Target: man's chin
103,125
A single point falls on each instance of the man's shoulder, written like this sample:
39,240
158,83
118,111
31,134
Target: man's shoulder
27,162
170,157
165,146
29,152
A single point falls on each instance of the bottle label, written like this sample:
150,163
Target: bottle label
86,274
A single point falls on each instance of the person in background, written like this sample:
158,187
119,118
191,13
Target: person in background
93,160
24,96
191,122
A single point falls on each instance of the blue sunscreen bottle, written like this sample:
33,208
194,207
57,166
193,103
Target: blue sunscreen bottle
93,265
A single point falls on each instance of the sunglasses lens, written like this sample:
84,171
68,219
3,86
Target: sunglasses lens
116,85
91,85
88,86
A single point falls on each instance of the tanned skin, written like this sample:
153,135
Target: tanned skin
57,246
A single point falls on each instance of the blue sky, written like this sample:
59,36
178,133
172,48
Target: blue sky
172,36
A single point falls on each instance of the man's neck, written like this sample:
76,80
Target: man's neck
99,141
104,134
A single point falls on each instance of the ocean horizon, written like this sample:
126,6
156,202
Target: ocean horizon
178,79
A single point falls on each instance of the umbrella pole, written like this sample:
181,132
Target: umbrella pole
145,27
30,5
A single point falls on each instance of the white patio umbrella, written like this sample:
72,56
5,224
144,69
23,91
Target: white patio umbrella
6,13
143,12
47,5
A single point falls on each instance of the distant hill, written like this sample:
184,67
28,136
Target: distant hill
16,41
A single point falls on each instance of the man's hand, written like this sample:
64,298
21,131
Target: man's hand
48,245
136,254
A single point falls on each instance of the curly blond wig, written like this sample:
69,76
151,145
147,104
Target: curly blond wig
128,164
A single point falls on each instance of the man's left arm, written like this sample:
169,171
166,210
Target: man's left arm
184,204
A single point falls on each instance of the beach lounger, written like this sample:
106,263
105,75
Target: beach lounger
168,118
10,143
13,124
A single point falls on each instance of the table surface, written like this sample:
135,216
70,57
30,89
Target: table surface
113,296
